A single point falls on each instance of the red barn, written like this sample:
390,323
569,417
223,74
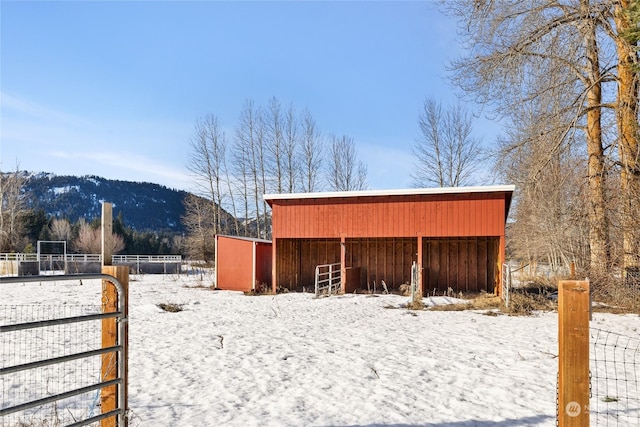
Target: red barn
457,235
242,263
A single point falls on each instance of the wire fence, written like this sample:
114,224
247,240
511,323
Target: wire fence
29,346
55,366
598,370
615,379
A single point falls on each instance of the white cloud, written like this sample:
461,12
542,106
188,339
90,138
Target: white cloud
124,166
39,138
11,104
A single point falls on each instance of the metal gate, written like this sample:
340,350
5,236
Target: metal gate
328,277
54,366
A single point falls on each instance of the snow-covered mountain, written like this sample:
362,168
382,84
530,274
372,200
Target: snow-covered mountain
143,205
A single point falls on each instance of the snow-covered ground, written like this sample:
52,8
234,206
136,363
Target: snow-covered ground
228,359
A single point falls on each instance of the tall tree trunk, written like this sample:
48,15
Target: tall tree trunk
598,226
628,147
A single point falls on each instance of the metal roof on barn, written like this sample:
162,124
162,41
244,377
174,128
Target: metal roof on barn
396,192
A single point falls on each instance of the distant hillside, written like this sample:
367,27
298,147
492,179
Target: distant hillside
144,206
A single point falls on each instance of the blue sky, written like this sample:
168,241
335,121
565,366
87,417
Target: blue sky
114,88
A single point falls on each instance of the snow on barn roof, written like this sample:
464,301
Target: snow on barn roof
249,239
398,192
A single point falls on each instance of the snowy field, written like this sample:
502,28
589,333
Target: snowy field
228,359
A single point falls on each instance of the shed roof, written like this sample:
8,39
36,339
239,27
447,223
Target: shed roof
398,192
249,239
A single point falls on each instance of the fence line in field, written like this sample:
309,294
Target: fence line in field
117,259
34,264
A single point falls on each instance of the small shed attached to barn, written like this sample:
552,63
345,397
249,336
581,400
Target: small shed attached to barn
243,263
456,235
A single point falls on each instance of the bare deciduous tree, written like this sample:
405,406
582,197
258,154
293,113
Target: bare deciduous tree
250,148
241,168
345,171
273,150
60,229
551,223
260,156
206,162
290,149
199,223
513,46
12,210
310,157
446,151
89,240
232,197
274,140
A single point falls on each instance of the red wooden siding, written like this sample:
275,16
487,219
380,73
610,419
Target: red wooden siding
235,263
296,260
387,259
264,261
458,215
462,264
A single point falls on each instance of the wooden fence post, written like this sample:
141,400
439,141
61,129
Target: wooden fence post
419,261
107,233
109,371
343,265
573,353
